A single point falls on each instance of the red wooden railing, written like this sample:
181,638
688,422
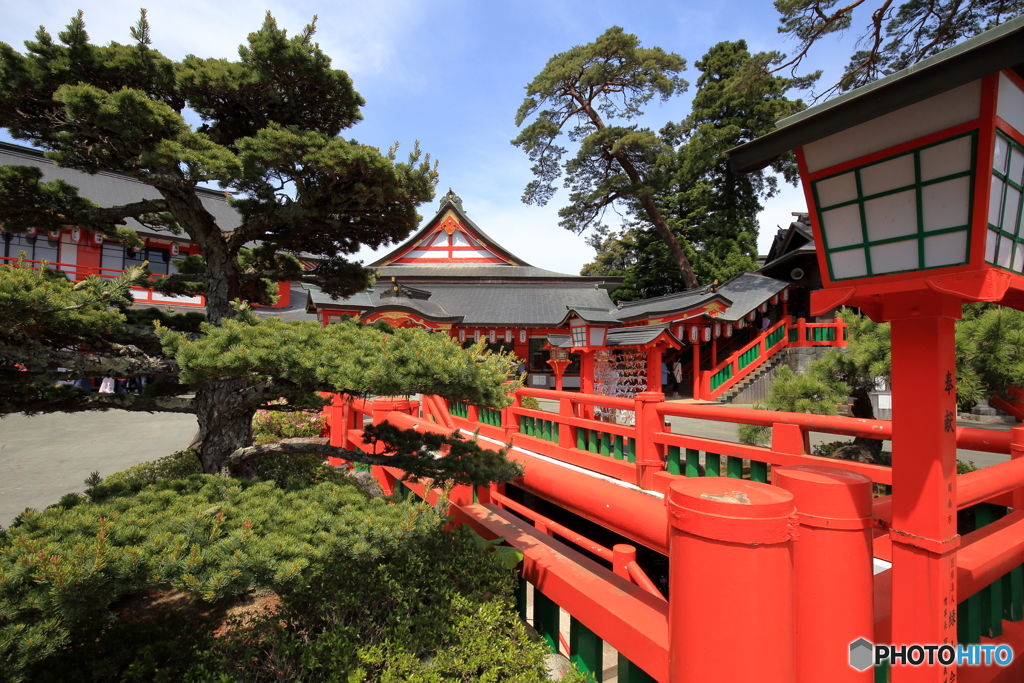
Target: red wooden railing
783,334
615,472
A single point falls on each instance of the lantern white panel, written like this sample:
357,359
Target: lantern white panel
946,159
888,175
842,226
1018,259
995,201
999,156
942,111
1010,103
441,240
1005,252
838,189
893,215
945,250
850,263
990,246
945,204
1010,209
1016,172
894,257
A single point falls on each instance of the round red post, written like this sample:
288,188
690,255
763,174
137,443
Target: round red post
833,569
741,629
622,555
696,370
1017,451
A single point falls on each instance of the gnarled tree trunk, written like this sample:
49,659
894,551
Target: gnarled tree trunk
225,425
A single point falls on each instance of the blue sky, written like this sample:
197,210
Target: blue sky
451,74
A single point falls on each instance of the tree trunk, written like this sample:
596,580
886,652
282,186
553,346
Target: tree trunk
225,425
862,408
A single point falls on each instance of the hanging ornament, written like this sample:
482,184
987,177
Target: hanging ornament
718,330
76,234
522,336
31,232
175,249
97,238
508,336
54,234
728,330
694,334
462,336
785,295
476,335
493,336
707,334
763,307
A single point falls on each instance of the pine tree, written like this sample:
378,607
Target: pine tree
270,137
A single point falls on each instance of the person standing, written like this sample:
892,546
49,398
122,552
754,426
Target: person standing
677,377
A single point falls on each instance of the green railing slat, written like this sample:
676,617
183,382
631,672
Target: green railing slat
521,602
734,467
712,465
990,597
968,621
581,439
592,440
617,448
882,672
692,462
792,335
631,673
585,650
545,619
1013,594
631,452
606,445
672,461
759,471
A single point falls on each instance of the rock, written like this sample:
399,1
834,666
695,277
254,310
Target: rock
855,453
557,665
368,483
983,408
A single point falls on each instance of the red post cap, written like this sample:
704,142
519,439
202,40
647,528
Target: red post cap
827,496
733,510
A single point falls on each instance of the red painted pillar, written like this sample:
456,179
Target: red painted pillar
741,629
649,456
566,432
923,531
1017,451
654,357
833,569
622,555
587,372
696,370
801,332
840,332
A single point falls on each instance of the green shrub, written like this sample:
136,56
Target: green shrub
368,590
286,425
530,402
174,466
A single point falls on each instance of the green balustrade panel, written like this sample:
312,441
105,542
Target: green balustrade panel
733,467
776,336
721,377
618,449
585,650
545,619
992,595
882,672
459,409
793,335
631,673
692,462
712,465
968,621
522,424
749,356
631,450
490,416
592,440
672,465
1013,595
606,445
759,471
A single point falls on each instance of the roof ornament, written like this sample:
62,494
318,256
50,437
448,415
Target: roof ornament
452,198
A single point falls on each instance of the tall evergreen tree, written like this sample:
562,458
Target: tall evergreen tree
270,137
712,211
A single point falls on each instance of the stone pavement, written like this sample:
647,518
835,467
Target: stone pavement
46,456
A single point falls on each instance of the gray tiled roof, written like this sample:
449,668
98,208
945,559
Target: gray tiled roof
113,189
560,341
482,304
591,315
747,291
637,336
670,303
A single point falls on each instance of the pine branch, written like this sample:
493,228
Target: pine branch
84,402
117,361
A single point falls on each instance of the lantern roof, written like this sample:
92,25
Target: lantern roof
991,51
591,315
559,341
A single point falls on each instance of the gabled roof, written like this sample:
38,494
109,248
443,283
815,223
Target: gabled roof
670,303
642,335
450,237
746,292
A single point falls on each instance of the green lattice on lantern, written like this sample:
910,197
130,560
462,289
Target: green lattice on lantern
908,212
1004,245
